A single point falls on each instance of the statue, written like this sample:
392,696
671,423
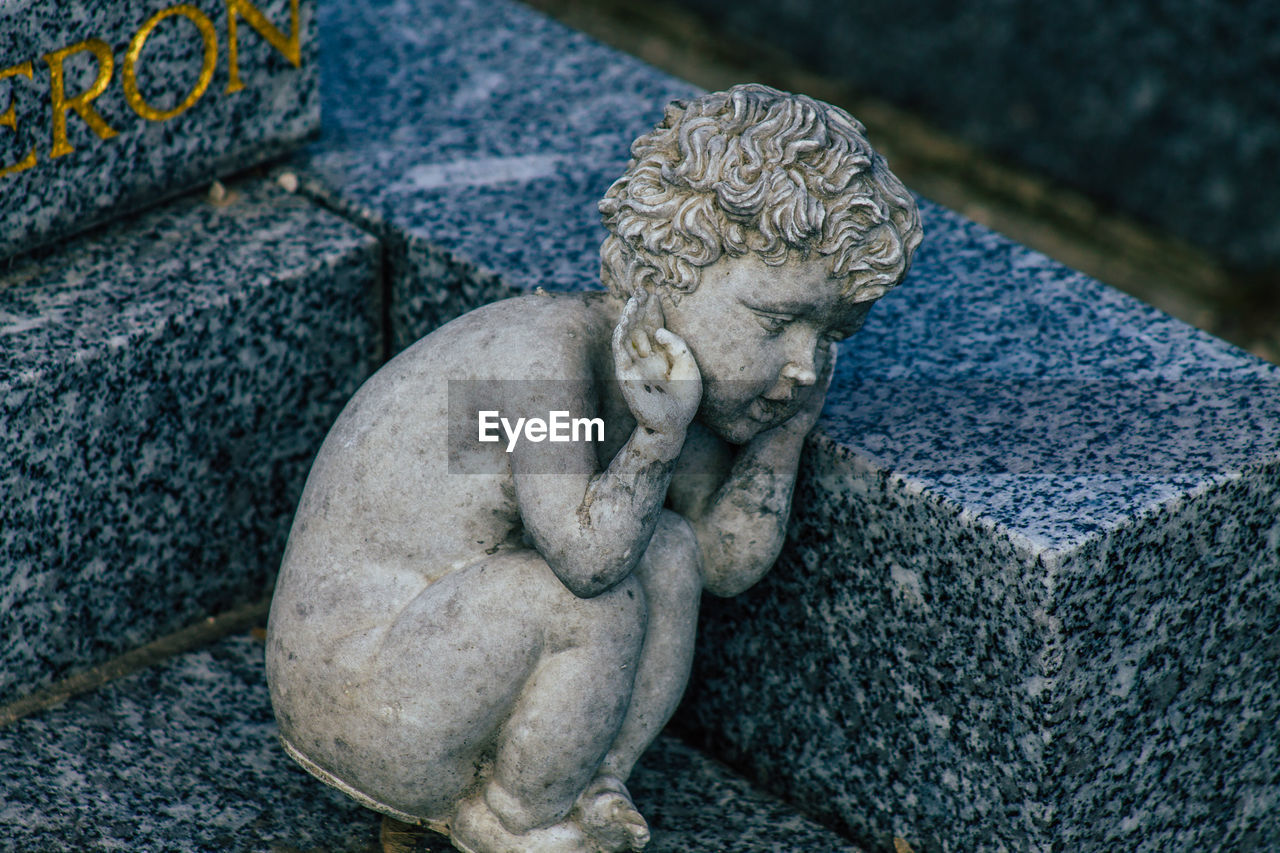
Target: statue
486,652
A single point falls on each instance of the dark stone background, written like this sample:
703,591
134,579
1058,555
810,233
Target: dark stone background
1166,109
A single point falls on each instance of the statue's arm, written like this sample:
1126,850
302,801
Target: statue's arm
593,529
742,525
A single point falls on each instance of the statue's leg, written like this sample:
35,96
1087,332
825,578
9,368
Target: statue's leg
448,672
563,721
670,573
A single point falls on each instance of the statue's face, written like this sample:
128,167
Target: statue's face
761,336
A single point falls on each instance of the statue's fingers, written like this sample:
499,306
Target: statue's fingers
672,343
620,354
652,318
626,323
829,369
679,359
640,341
628,314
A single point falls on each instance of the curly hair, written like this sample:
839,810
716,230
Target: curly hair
755,169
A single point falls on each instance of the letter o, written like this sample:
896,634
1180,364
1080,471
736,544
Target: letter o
207,33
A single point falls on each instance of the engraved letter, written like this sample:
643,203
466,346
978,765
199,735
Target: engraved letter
80,103
210,60
291,47
9,118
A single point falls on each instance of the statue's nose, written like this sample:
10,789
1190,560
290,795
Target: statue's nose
801,373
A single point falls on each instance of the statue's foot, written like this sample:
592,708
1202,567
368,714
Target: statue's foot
607,814
476,829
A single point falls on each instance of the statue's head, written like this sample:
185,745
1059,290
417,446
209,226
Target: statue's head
755,170
768,227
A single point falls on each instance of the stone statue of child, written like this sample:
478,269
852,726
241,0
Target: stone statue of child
489,653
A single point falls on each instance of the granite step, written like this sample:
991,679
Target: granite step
182,757
164,384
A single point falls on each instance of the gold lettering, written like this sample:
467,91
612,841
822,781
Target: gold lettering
81,103
291,47
129,71
10,118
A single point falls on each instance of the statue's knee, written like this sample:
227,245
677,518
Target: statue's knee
622,614
612,622
673,552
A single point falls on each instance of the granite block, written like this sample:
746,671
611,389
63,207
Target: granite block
183,757
1032,589
528,124
111,106
163,387
1168,110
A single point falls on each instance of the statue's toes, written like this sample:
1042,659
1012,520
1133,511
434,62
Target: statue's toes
613,822
637,830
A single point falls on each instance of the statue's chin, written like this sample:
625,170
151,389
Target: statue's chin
737,430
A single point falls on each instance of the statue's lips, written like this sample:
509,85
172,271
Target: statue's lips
772,412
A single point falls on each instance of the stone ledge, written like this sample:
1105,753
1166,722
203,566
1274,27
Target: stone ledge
1038,531
163,387
183,757
517,128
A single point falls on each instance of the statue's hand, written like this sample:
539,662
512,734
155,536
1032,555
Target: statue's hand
659,378
815,396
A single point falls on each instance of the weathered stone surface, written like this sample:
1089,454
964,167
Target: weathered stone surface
163,387
114,105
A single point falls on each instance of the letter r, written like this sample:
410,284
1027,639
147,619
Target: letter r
82,103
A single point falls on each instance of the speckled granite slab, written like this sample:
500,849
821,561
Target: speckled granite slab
526,124
113,105
184,758
1034,585
163,387
1031,598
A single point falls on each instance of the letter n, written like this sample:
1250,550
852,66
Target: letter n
290,46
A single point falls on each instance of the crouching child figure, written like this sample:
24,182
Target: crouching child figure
487,653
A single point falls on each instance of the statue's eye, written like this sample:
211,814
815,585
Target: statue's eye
772,323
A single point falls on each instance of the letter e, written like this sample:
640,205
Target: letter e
9,118
488,420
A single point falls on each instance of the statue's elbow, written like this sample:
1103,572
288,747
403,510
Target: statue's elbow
588,578
729,584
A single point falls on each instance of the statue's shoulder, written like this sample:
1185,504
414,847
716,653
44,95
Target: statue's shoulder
539,335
